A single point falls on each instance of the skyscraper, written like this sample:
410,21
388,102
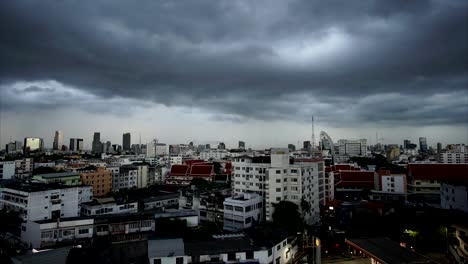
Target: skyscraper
422,144
307,145
126,142
221,145
97,148
58,139
79,144
33,145
241,145
72,146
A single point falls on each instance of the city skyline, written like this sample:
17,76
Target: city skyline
229,71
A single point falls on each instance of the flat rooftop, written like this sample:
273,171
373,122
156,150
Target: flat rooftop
37,186
57,175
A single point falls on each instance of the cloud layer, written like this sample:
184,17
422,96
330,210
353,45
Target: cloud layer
387,62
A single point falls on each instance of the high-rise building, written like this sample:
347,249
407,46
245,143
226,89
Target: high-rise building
207,146
108,147
221,145
241,145
326,142
307,145
353,147
14,147
97,148
126,142
58,139
76,144
276,179
439,147
291,147
422,144
33,145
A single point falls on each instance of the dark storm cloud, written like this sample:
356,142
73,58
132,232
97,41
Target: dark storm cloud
248,59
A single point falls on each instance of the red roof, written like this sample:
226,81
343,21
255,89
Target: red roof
179,170
202,170
438,171
351,178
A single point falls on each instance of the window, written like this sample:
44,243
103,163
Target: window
270,251
278,189
278,180
278,171
278,260
157,261
239,209
284,243
180,260
83,231
278,199
278,247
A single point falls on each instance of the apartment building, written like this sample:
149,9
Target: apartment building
7,169
242,211
107,206
352,147
38,201
127,178
275,178
454,157
454,195
99,178
212,154
389,186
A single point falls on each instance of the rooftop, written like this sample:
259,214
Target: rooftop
37,186
57,175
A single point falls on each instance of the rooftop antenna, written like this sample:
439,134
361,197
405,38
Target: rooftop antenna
313,135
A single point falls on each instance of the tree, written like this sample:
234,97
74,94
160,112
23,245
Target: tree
287,216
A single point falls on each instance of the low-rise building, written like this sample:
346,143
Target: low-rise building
389,187
7,169
107,206
127,178
45,233
212,154
38,201
424,180
66,178
242,211
454,157
165,200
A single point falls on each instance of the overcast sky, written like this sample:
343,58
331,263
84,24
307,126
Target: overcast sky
209,71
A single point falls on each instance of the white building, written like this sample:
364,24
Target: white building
107,206
275,179
142,178
43,233
454,157
37,201
242,210
213,154
352,147
389,186
232,248
24,167
127,178
162,149
454,196
161,201
7,169
175,159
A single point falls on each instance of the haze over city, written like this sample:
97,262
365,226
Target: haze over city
210,71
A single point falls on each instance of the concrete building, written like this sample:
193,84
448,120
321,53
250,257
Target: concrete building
221,145
306,145
424,180
242,211
76,144
165,200
175,159
24,168
213,154
46,233
241,145
423,144
38,201
97,147
65,178
58,140
14,147
127,178
291,147
7,169
143,175
454,195
126,142
454,157
389,187
275,179
107,206
99,178
229,248
352,148
32,145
